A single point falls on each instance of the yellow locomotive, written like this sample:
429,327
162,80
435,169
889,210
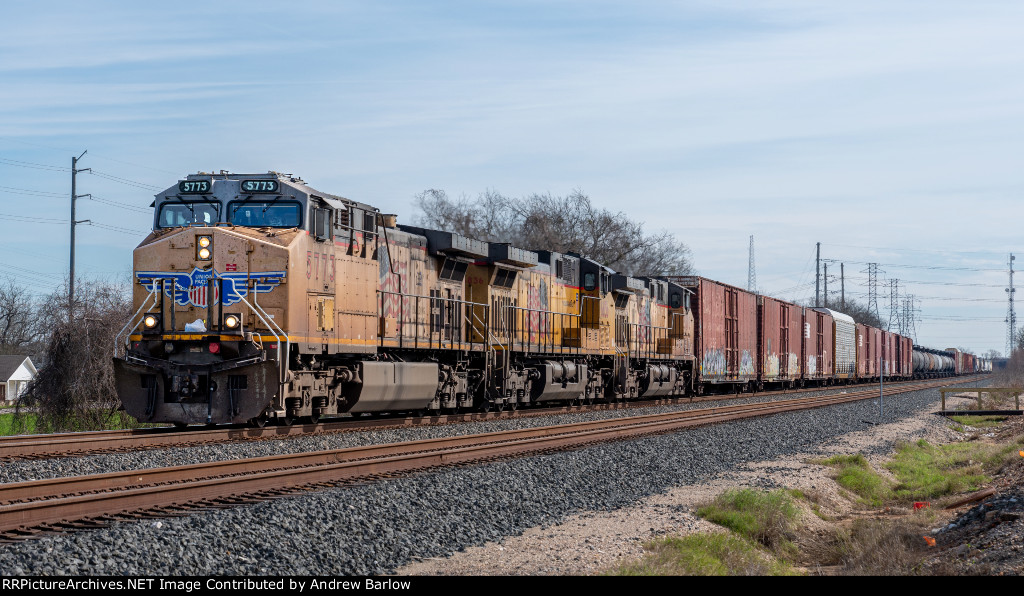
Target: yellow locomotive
258,297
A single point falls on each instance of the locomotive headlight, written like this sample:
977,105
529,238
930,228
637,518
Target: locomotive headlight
150,321
204,244
232,321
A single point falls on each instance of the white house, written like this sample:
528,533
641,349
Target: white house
15,373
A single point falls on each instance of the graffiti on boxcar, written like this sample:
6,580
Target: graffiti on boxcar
747,365
812,366
771,366
793,370
713,364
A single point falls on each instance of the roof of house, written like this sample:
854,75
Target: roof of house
9,365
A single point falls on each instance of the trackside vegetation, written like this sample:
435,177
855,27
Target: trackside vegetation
758,539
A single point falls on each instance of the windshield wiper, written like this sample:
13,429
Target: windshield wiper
271,202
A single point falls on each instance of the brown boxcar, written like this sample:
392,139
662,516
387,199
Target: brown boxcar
867,352
906,358
889,354
726,325
778,340
817,345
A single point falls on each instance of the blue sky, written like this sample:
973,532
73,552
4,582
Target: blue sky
890,132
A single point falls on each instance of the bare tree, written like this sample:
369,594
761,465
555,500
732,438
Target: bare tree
858,312
75,389
562,224
19,332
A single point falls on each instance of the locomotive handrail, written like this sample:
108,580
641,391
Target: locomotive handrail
547,333
453,301
117,337
282,357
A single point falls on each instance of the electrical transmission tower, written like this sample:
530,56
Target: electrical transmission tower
909,311
1011,317
873,289
751,270
894,307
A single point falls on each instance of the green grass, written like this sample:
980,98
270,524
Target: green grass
926,471
764,517
855,474
979,421
720,553
28,424
8,427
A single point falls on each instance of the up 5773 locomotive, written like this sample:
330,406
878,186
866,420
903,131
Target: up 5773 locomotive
258,297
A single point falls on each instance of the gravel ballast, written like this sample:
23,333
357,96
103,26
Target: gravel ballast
373,529
21,471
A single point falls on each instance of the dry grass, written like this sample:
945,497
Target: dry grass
879,546
719,553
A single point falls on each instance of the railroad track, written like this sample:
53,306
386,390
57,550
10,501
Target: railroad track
28,509
120,441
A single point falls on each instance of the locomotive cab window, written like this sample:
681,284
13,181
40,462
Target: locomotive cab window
589,281
265,214
676,300
174,215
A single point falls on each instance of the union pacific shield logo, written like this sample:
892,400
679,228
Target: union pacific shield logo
194,288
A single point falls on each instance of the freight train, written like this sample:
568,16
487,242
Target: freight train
259,298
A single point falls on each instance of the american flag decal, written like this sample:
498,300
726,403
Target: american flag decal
193,288
197,295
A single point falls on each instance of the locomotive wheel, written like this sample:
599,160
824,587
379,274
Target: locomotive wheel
311,419
258,422
180,425
286,421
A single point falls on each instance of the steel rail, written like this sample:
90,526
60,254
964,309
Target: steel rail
44,502
83,443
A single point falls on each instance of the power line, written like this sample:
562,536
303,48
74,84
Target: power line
925,250
32,165
124,181
36,193
928,267
120,205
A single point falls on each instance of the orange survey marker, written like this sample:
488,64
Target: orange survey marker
929,540
920,505
1021,453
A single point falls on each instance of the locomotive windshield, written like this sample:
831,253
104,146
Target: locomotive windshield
173,215
260,214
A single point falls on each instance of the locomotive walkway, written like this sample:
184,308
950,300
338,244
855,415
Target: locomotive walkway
29,509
